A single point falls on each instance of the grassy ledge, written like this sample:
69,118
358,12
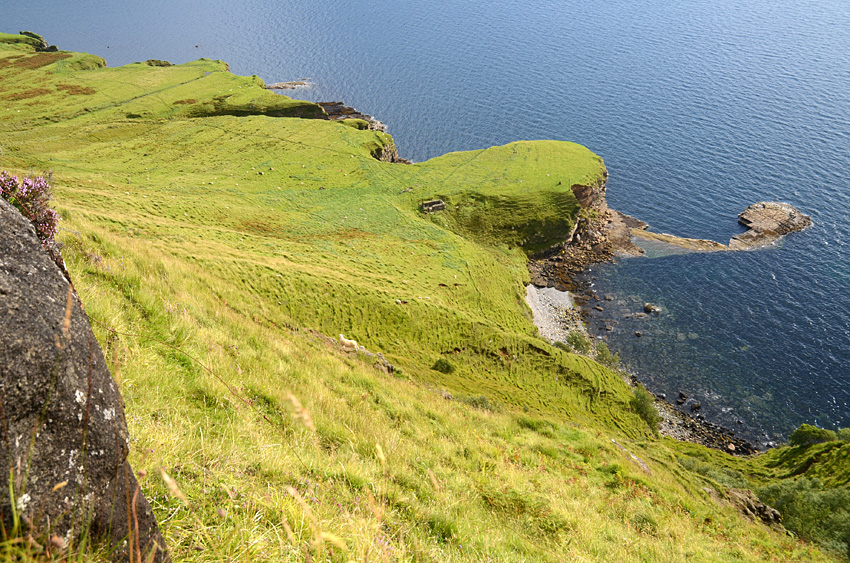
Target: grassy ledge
205,218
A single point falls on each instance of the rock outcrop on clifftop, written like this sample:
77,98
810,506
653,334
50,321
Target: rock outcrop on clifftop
63,436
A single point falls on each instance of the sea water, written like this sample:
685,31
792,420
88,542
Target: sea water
698,108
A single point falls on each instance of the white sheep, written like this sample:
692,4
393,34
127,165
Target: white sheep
350,345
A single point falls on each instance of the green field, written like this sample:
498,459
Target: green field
221,237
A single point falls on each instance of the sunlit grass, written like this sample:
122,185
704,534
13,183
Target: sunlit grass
220,255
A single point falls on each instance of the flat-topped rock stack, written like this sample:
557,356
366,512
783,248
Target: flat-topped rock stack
768,222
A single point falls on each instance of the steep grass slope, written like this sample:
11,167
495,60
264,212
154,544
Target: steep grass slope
216,236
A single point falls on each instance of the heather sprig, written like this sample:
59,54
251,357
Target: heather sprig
31,196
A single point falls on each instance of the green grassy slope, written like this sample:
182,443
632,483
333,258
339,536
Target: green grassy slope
205,214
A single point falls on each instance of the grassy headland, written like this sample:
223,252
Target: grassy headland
207,218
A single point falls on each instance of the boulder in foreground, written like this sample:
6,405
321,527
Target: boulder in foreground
63,436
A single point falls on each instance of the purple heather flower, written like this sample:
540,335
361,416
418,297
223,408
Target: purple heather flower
32,198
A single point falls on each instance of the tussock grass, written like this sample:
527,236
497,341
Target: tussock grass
215,244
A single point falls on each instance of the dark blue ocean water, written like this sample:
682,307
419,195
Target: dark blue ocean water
698,108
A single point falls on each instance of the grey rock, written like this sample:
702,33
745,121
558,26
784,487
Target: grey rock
61,414
749,505
383,364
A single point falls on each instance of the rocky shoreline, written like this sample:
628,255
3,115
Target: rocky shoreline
338,110
556,316
600,235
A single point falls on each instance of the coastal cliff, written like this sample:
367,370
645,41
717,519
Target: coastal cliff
219,255
601,233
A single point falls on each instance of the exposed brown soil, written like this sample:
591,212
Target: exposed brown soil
32,93
75,90
39,60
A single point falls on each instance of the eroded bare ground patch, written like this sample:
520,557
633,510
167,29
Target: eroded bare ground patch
31,62
76,90
31,93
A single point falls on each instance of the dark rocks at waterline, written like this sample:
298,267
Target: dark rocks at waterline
338,110
65,441
589,243
566,268
699,431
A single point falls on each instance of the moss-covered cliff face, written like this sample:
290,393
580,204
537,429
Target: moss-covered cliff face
205,218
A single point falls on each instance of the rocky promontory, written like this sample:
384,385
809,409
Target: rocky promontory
600,234
303,83
766,221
